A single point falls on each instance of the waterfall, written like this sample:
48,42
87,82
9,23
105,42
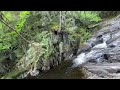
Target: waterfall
92,55
79,60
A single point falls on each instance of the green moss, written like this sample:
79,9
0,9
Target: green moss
12,74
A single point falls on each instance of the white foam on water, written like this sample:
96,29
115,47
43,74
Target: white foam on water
79,60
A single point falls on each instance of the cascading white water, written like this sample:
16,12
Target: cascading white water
79,60
102,45
82,58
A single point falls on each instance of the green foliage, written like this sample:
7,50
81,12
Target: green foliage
84,35
7,36
44,39
77,23
47,18
87,17
23,15
47,21
90,16
54,26
8,15
51,20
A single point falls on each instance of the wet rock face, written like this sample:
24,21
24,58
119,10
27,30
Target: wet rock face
103,71
103,62
110,56
112,36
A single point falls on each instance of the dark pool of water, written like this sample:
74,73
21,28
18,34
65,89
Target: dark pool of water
63,71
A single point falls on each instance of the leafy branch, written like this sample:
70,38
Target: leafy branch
3,21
